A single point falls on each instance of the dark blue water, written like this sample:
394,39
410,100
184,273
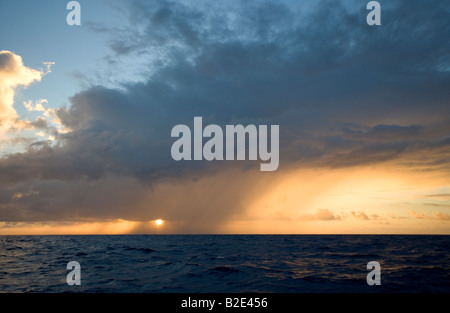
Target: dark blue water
225,263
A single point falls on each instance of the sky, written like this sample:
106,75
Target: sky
86,113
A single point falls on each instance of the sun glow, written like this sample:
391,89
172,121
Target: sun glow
159,222
342,201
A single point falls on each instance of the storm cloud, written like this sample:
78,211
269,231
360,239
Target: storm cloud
344,94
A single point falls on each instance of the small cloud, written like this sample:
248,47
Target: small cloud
420,216
321,215
378,219
37,107
20,195
17,195
48,67
437,204
441,216
49,116
40,123
360,215
373,217
396,217
437,196
436,216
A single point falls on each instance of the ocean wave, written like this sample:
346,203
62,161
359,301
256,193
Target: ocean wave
291,263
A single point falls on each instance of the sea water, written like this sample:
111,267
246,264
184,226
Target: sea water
225,263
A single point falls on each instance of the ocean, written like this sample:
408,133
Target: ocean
225,263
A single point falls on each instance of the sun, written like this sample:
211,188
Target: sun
159,222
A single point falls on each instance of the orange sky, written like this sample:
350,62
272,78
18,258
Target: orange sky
366,200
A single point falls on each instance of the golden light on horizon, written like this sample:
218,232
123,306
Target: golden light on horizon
376,199
358,200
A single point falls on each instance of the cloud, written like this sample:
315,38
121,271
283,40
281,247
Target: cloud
438,196
437,204
375,218
436,216
320,215
37,107
360,215
13,73
49,116
441,216
184,204
344,95
420,216
325,214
